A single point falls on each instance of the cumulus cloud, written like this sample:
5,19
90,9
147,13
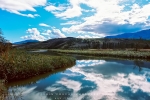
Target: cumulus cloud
70,10
87,36
18,6
71,23
47,32
43,24
35,34
52,7
108,17
57,33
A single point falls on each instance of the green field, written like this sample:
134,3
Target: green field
107,53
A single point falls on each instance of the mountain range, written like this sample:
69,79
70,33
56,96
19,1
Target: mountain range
144,34
71,42
26,42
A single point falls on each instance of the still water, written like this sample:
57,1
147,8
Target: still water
89,79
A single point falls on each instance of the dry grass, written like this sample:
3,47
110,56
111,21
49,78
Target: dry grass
3,90
108,53
19,64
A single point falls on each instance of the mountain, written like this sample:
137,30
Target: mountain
144,34
90,43
26,42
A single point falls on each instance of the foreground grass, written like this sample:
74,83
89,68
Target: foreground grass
107,53
2,90
16,64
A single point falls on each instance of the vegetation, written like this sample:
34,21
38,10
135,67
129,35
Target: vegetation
107,52
3,90
98,43
19,64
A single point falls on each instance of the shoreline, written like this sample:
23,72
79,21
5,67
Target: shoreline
107,53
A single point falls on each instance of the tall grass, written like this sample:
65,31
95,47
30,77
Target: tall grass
108,53
3,90
19,64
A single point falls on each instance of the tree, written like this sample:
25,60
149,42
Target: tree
4,44
2,40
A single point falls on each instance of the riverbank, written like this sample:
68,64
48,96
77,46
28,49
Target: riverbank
19,64
3,90
107,53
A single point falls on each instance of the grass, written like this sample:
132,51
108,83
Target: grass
2,90
19,64
107,53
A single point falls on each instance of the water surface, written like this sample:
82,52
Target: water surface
89,79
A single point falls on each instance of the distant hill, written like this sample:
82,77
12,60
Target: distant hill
144,34
92,43
26,42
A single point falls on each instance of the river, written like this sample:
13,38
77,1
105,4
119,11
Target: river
89,79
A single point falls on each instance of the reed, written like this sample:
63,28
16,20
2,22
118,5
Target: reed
19,64
3,90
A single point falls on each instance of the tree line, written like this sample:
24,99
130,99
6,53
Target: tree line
115,44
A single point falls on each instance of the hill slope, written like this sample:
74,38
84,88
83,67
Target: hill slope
144,34
78,43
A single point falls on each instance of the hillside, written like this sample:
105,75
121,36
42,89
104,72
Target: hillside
144,34
78,43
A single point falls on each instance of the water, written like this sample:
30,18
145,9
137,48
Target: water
89,79
40,50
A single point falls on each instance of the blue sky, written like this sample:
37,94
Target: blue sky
46,19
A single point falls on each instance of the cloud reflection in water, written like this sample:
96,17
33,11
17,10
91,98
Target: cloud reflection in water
93,80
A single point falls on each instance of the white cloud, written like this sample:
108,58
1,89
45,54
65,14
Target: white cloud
70,10
53,8
71,84
18,6
111,17
70,23
57,33
87,36
85,63
74,85
91,35
109,87
92,10
52,89
33,31
34,34
27,15
43,24
47,33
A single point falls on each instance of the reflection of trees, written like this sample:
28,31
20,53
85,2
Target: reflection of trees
138,64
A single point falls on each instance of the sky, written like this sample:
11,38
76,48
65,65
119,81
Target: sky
46,19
